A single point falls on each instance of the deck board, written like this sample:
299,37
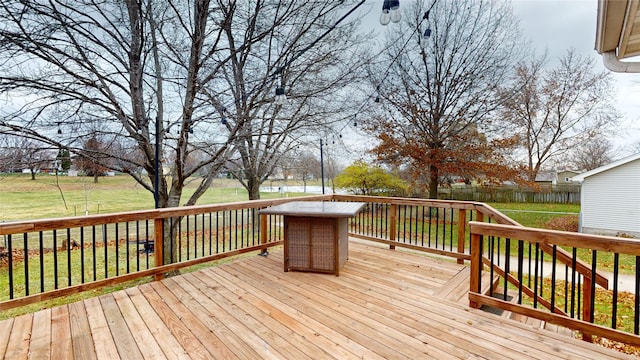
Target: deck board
385,304
122,337
40,344
103,341
18,346
170,347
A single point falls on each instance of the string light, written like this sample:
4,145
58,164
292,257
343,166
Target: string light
390,12
281,98
386,9
427,32
223,118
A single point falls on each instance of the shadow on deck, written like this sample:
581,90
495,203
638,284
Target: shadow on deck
384,304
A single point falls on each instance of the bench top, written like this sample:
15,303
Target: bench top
315,209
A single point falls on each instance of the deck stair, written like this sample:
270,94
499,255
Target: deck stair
512,297
457,288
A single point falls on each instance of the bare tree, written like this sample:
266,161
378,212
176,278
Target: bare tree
111,70
313,75
554,111
437,101
19,154
143,76
307,167
594,153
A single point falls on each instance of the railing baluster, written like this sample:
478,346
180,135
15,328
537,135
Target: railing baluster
566,286
147,239
217,232
429,241
55,259
26,263
202,219
82,264
188,237
69,256
10,264
224,230
553,277
422,226
520,269
451,229
437,226
210,233
614,308
592,299
93,246
235,227
117,250
535,278
507,265
126,244
636,314
529,262
573,280
41,243
105,242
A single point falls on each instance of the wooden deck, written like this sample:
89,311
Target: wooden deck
385,304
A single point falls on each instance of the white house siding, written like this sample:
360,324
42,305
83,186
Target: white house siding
610,201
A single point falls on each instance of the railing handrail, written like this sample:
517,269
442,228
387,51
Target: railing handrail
563,255
561,238
554,239
21,226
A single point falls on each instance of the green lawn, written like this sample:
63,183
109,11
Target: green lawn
49,197
536,215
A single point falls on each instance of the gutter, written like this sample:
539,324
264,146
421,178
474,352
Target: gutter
612,63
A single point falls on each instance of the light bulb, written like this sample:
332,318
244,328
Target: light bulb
281,98
395,15
425,37
385,17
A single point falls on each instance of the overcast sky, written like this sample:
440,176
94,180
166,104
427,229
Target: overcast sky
555,26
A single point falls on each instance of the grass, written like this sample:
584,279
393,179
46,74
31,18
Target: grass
536,215
52,197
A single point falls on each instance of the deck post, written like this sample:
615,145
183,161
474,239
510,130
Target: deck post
158,248
393,224
462,225
587,311
263,232
476,267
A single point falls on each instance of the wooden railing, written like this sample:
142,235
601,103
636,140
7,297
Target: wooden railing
49,258
569,291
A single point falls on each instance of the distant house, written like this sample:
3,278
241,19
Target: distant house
610,198
556,177
546,177
565,177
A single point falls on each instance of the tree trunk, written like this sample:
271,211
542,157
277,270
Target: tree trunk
433,182
95,177
253,187
33,175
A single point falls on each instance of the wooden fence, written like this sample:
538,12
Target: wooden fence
559,194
